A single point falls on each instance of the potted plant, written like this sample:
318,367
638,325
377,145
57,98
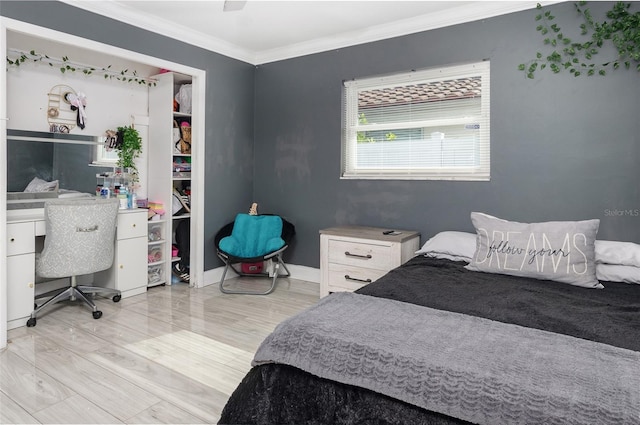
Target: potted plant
129,147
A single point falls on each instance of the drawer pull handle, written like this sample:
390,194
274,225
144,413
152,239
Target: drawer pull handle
348,254
13,239
346,276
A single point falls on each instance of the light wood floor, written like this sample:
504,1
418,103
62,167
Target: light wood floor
171,355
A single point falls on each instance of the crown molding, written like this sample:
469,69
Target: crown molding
453,16
163,27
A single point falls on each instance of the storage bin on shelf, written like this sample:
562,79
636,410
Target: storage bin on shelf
155,254
155,233
154,275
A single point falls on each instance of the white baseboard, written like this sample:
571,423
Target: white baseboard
311,274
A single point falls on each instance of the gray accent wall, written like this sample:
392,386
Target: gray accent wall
229,109
562,148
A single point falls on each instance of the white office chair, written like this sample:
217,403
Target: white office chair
80,239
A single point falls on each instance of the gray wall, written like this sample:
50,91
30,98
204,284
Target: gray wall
563,148
229,108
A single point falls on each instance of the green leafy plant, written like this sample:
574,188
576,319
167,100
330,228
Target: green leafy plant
129,148
581,57
65,65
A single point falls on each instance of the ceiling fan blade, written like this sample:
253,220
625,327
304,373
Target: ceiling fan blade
231,5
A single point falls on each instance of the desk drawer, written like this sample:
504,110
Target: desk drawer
369,255
20,238
343,277
132,224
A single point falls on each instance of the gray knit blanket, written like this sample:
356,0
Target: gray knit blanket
467,367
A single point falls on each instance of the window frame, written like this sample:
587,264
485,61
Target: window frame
351,125
101,155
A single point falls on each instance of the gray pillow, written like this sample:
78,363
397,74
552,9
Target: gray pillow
563,251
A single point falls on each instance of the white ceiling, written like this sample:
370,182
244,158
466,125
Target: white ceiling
265,31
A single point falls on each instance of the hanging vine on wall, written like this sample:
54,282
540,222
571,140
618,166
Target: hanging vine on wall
65,65
581,57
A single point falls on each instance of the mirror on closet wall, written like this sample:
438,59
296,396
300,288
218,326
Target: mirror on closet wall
67,163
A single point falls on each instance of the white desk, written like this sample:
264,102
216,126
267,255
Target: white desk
128,273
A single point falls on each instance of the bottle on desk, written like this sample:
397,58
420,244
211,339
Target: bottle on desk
132,201
105,192
122,195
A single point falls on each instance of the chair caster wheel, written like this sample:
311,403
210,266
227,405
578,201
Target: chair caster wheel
97,314
116,298
31,322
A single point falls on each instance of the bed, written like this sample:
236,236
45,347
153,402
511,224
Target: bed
435,342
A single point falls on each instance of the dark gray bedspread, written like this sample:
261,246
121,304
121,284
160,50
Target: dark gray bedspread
282,394
610,315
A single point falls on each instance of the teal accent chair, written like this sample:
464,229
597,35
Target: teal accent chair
252,239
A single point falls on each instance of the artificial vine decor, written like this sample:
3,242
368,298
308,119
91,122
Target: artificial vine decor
66,65
581,58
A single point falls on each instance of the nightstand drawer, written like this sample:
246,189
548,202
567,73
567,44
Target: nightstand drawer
343,277
371,255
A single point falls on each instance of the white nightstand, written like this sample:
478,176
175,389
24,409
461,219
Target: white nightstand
353,256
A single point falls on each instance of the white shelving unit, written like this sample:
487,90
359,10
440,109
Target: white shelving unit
166,168
156,260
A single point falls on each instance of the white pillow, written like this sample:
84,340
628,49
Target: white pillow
39,185
618,273
620,253
451,245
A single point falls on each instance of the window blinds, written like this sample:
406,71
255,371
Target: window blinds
429,124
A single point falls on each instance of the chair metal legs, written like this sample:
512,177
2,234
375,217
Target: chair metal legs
73,293
276,273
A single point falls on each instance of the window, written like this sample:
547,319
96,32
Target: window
104,155
430,124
